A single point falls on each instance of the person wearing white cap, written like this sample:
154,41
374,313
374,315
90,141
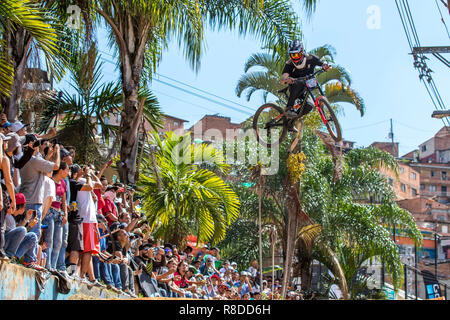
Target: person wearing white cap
19,128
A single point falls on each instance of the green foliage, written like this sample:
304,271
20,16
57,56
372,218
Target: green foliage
175,189
86,111
269,67
354,229
241,243
35,20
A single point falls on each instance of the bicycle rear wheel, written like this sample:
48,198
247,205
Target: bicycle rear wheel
332,123
269,125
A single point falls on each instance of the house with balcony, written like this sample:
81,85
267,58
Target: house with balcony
434,180
436,149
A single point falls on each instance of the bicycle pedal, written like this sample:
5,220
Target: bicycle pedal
290,114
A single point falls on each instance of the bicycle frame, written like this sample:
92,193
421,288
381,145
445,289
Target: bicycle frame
308,94
316,100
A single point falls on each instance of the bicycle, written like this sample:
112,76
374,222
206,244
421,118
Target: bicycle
271,117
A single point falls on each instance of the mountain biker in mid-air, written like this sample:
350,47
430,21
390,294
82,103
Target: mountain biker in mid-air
299,65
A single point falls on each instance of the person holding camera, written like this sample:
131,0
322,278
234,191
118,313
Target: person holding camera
58,216
32,175
19,242
88,212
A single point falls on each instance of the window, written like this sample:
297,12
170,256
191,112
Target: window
402,170
391,182
413,175
424,148
432,188
428,205
422,187
432,173
413,192
403,187
175,123
444,229
444,190
444,175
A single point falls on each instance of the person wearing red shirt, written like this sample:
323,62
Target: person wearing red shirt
109,210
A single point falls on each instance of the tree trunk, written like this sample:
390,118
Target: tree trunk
261,183
129,127
292,225
18,43
339,274
131,36
131,115
305,274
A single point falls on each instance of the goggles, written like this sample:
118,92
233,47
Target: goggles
296,56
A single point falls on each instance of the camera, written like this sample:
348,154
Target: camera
39,143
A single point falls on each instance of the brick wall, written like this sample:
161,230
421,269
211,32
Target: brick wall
215,128
407,184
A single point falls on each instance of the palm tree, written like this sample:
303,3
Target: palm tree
180,198
352,210
27,28
336,83
85,111
337,224
141,29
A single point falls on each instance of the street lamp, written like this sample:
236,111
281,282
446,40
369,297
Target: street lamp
439,114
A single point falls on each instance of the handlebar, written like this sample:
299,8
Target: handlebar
301,79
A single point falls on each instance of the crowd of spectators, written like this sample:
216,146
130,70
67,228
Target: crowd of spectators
60,216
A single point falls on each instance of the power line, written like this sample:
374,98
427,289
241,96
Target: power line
367,126
203,97
442,18
412,128
419,58
188,102
195,88
199,95
206,92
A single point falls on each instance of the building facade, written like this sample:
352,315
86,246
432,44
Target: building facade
436,149
434,180
215,129
407,184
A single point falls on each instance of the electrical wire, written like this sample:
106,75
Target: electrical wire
196,94
184,101
412,128
441,59
203,91
195,88
442,18
203,97
419,58
367,126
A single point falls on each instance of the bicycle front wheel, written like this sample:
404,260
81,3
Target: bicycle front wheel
330,120
269,124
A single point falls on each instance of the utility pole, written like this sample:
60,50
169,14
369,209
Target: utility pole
391,135
415,270
435,252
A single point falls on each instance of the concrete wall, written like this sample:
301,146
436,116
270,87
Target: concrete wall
19,283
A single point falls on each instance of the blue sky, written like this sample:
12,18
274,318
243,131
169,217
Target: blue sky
377,59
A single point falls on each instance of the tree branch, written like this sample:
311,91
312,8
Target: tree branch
116,31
